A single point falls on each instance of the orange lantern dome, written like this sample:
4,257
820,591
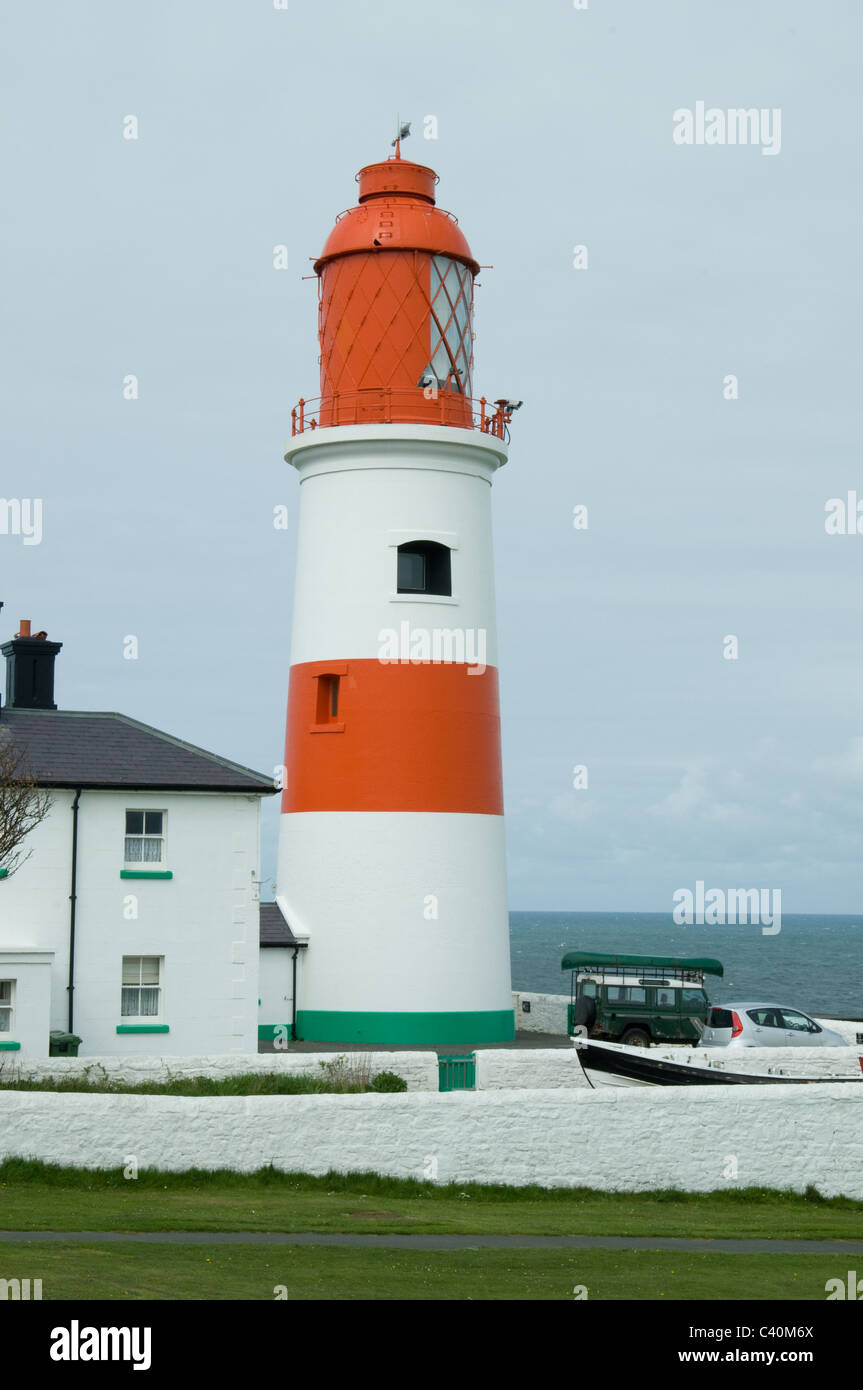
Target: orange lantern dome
396,306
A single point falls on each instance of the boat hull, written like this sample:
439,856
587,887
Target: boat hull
614,1065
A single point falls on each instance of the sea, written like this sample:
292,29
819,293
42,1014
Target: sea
814,963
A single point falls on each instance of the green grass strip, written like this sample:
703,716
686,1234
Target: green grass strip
38,1196
178,1272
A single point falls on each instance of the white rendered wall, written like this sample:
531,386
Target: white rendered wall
30,972
363,493
203,921
613,1140
358,884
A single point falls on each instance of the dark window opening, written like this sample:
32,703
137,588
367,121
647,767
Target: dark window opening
424,567
327,706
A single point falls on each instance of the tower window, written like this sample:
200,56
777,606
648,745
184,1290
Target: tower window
424,567
327,700
327,705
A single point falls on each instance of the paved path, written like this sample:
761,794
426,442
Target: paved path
439,1242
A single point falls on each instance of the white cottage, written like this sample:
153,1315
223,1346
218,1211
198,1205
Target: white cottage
135,922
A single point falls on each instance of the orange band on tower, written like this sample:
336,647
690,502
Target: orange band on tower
368,736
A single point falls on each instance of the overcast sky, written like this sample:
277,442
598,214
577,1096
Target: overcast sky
555,129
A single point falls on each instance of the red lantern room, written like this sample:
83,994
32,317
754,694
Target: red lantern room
395,320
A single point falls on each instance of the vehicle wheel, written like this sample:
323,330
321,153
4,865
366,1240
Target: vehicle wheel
584,1013
635,1037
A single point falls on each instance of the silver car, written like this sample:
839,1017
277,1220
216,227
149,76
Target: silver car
765,1025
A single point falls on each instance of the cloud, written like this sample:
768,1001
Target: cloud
696,796
845,767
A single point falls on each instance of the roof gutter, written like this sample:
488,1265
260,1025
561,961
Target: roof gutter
73,900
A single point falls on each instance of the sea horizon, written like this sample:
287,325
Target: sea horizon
811,963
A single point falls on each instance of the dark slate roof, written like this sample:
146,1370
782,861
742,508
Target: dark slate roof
74,748
274,929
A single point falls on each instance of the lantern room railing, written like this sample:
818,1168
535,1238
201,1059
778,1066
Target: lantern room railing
388,405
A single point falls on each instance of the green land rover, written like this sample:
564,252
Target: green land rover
638,1000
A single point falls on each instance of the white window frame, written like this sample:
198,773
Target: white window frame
142,865
7,1008
143,1018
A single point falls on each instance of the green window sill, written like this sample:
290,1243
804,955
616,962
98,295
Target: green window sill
143,1028
10,1047
146,873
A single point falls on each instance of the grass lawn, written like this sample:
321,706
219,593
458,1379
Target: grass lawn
176,1272
36,1196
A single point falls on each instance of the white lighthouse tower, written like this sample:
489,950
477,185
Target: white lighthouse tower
391,854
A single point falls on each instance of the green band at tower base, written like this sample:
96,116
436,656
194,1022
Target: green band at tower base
333,1025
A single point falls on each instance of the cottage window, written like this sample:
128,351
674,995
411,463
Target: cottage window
6,987
145,837
141,995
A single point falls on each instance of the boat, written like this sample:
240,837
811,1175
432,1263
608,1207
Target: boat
615,1064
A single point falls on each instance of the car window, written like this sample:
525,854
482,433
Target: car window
588,988
799,1022
626,994
665,998
766,1018
693,999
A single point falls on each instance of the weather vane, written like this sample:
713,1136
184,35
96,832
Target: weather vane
403,133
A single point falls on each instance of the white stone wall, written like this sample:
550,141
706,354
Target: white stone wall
514,1068
418,1069
849,1028
203,922
496,1069
547,1012
614,1140
528,1068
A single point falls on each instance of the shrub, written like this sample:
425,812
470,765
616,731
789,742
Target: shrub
388,1081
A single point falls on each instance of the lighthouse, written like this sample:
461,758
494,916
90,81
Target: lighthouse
391,849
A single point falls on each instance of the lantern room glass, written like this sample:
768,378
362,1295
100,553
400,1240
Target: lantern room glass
451,295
